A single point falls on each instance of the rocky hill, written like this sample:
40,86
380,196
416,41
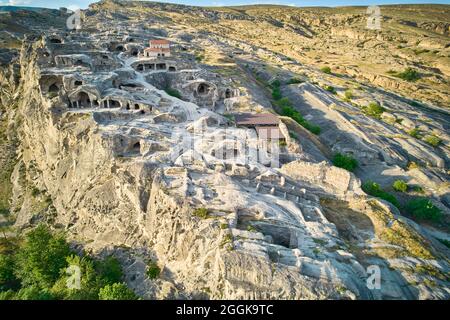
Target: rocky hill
94,143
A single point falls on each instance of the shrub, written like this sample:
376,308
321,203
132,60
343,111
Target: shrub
41,257
326,70
201,213
287,110
116,291
375,190
346,162
330,89
173,93
110,270
153,270
408,74
374,110
400,186
295,81
414,133
8,279
423,209
348,94
276,93
432,140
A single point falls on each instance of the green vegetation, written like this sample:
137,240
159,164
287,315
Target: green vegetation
415,133
199,57
408,74
42,265
276,90
201,213
330,89
153,270
400,186
424,209
116,291
346,162
173,93
348,95
432,140
286,109
373,110
375,190
326,70
295,80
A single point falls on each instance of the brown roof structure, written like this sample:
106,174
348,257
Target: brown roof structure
159,41
256,119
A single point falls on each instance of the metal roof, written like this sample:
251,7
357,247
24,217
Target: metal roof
254,119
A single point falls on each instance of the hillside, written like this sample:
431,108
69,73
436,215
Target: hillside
252,152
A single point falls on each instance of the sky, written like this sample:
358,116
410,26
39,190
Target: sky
300,3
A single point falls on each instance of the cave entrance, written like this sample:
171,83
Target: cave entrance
161,66
114,104
78,83
120,48
53,88
228,93
134,53
55,40
140,67
137,147
172,69
203,89
83,100
136,107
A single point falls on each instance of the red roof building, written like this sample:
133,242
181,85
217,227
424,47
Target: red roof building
158,48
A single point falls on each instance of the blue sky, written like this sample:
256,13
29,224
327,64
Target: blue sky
300,3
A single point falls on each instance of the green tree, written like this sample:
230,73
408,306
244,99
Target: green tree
33,292
375,190
400,186
8,279
110,270
424,209
116,291
41,257
326,70
346,162
90,281
374,110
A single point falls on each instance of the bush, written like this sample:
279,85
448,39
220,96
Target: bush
348,95
375,190
408,74
173,93
276,93
41,257
153,270
326,70
8,279
110,270
288,111
432,140
201,213
423,209
330,89
400,186
374,110
346,162
414,133
295,81
116,291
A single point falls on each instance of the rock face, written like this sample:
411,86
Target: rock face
103,144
